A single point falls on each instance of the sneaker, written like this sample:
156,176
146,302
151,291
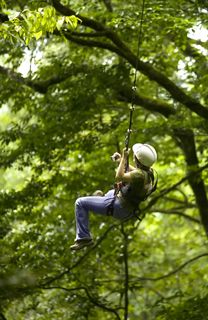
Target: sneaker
79,244
98,193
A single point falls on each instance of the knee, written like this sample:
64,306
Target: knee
79,202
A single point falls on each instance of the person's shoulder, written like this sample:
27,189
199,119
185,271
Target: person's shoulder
137,173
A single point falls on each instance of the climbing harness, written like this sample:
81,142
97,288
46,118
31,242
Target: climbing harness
125,191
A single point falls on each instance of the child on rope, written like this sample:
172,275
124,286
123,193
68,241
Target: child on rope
132,188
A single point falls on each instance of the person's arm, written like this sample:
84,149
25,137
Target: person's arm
117,158
131,168
121,175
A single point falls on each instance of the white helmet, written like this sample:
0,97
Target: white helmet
145,153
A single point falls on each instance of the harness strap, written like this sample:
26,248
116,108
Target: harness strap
137,211
110,208
154,184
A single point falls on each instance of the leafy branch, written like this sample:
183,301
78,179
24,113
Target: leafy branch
81,259
124,51
167,275
29,25
2,316
124,94
41,86
108,5
174,186
176,212
94,301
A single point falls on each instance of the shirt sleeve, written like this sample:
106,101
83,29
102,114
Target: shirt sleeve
137,174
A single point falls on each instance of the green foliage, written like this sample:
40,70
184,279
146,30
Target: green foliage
194,308
64,110
28,25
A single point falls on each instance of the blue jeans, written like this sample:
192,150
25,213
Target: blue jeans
98,205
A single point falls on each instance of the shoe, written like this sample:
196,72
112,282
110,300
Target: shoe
98,193
81,243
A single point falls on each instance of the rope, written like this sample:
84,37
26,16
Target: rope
132,108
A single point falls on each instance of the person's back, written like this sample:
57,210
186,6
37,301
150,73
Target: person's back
132,193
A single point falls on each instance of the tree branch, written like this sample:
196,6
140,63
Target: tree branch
183,204
90,297
65,11
41,86
2,316
89,34
187,143
176,212
3,17
133,287
81,259
123,50
125,94
192,52
182,266
91,43
187,48
108,5
173,187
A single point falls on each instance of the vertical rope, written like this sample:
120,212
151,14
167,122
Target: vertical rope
128,134
138,55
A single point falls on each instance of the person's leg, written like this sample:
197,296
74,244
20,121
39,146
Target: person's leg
83,206
120,212
97,205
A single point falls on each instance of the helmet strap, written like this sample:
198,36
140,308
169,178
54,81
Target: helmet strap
140,165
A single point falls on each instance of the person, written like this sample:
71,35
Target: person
132,187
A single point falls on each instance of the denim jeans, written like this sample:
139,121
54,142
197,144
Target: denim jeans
98,205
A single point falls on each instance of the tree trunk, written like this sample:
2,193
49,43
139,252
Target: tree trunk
185,138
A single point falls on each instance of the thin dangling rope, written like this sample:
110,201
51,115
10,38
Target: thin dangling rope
132,108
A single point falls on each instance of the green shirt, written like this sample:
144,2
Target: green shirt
133,193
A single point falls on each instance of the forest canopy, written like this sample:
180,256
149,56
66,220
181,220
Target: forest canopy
67,71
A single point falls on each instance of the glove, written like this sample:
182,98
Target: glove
116,157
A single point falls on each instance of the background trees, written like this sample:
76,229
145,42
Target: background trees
65,94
